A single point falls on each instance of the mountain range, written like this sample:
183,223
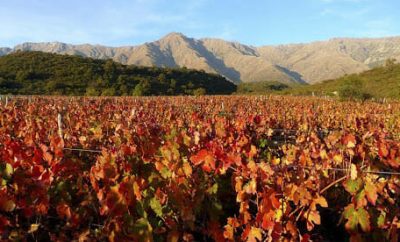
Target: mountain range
292,63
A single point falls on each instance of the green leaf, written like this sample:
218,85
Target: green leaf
156,206
3,182
353,186
6,171
363,219
9,170
356,217
381,219
213,190
360,199
350,214
143,230
140,209
165,173
61,186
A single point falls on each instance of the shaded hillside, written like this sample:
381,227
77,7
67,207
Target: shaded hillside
45,73
380,82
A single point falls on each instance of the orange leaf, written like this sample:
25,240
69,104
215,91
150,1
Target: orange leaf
349,140
312,217
319,200
173,236
382,150
370,192
64,210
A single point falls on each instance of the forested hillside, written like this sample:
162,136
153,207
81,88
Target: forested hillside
380,82
53,74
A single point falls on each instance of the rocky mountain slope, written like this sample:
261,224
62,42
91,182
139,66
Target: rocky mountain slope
295,63
5,51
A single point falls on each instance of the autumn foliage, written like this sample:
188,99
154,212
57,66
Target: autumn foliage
199,169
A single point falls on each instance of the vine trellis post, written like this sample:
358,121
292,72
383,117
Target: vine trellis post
59,123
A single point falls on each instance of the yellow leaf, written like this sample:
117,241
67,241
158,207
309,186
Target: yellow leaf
312,218
229,232
255,233
276,161
319,200
33,228
252,166
187,169
253,151
325,173
353,172
323,154
351,144
338,159
251,187
196,138
278,214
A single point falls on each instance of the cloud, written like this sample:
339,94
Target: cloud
227,32
346,14
379,28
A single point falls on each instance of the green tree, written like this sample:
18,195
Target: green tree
124,90
110,71
109,92
141,89
172,84
354,90
92,91
199,92
162,78
21,76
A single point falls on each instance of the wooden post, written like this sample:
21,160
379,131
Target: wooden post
59,122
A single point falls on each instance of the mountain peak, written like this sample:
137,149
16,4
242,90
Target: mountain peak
174,35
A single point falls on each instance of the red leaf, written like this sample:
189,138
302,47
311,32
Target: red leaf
206,158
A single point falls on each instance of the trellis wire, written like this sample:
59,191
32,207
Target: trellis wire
82,150
281,167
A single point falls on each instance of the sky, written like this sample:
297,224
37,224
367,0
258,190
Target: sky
252,22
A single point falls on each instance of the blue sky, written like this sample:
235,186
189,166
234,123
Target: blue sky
254,22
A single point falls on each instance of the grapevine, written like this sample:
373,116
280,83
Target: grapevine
217,168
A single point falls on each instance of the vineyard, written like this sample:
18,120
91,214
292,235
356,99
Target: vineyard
199,169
